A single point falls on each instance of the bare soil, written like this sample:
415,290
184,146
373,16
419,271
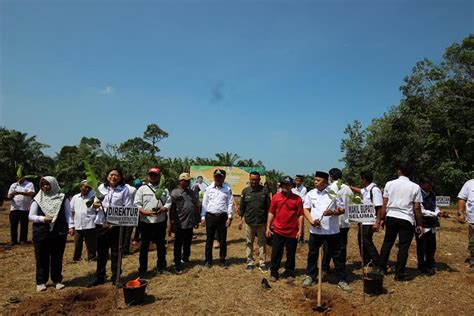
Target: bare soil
235,291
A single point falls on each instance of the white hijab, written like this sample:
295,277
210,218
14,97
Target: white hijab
50,203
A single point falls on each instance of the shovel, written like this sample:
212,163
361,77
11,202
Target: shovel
320,308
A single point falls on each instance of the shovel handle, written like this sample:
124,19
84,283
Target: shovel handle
320,273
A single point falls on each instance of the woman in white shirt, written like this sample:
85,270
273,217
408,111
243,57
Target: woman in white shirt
51,216
115,194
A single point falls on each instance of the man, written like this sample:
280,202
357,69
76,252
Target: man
426,242
21,194
127,231
254,204
401,211
300,190
371,195
322,209
344,192
466,212
286,215
216,216
199,186
184,206
84,222
153,218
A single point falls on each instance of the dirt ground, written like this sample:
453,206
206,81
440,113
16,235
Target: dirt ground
235,291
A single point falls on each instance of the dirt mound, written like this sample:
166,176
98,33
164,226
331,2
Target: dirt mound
73,301
334,304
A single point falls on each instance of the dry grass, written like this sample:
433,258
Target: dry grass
235,291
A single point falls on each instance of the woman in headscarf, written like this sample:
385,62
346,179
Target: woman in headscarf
50,213
115,194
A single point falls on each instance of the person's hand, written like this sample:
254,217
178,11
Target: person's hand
268,233
147,212
48,219
298,235
316,223
461,218
376,226
72,231
419,230
328,213
203,222
163,210
97,204
241,223
382,224
228,222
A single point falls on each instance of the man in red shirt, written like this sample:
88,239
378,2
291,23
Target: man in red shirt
286,214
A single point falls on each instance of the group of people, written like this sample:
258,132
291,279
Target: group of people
405,209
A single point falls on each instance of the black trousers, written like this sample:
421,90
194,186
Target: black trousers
405,231
156,233
127,237
136,235
215,224
107,238
182,245
49,255
343,232
334,250
365,236
425,250
279,243
19,217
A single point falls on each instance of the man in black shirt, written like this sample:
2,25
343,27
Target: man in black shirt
254,204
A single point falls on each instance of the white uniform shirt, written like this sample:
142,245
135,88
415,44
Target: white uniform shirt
84,217
145,198
120,196
300,191
467,194
19,201
401,194
345,193
132,190
318,202
217,200
377,198
35,218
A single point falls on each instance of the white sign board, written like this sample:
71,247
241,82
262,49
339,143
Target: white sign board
362,213
443,200
122,216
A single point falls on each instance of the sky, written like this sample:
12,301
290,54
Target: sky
276,81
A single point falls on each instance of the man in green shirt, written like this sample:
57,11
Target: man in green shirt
254,204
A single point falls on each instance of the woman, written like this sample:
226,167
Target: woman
115,194
51,216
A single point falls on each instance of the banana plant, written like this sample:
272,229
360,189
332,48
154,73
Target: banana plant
93,181
161,188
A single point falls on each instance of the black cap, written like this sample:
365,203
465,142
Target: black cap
286,180
219,172
322,174
299,176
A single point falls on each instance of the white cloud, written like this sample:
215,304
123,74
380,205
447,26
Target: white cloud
107,90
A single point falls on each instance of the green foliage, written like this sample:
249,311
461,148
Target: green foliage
431,128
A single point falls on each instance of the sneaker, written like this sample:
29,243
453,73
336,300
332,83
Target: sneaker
179,270
273,278
59,286
41,287
344,286
224,264
263,268
287,274
162,272
308,281
250,268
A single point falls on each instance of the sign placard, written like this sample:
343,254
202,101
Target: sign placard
362,213
122,216
443,200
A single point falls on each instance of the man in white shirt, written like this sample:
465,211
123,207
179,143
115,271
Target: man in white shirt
300,190
401,211
153,218
216,215
371,195
466,212
84,222
322,210
21,194
343,192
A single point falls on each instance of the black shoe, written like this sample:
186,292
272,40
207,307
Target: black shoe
400,277
185,260
178,270
301,241
224,264
287,274
22,243
208,265
96,282
11,244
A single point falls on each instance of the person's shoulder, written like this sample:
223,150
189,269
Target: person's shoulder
75,196
469,183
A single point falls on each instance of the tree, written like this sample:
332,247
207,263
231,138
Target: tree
353,146
227,159
154,134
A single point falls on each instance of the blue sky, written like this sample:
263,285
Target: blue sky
275,81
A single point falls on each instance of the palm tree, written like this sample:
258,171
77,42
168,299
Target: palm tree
227,159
